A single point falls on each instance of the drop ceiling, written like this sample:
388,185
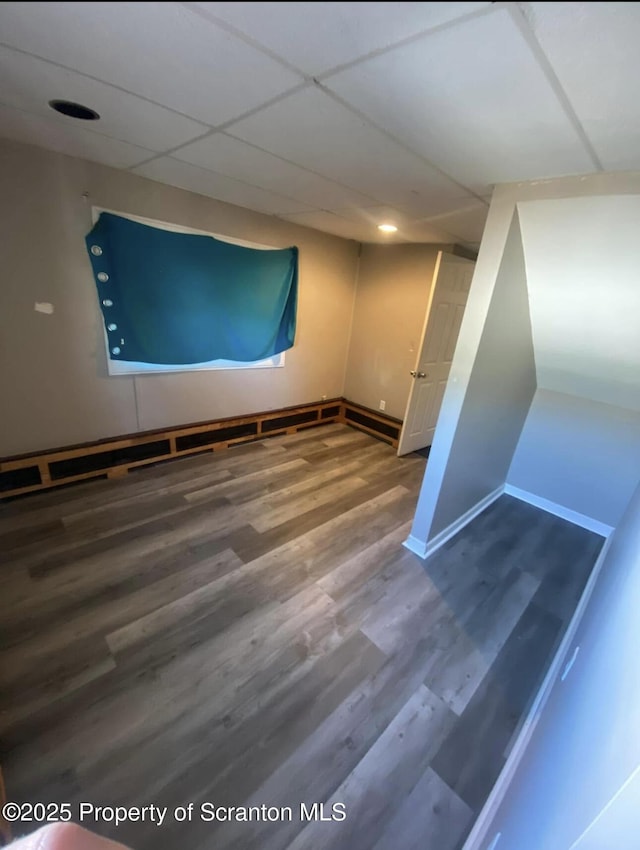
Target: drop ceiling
337,116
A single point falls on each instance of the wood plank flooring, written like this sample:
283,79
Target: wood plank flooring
245,628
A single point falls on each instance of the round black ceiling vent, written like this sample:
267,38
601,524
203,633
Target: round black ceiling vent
74,110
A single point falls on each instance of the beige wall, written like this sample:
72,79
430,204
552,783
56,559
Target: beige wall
391,302
53,381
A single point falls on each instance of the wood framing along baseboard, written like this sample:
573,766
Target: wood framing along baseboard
484,831
576,518
424,549
114,457
372,422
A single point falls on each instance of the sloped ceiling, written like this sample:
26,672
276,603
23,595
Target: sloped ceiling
582,259
334,115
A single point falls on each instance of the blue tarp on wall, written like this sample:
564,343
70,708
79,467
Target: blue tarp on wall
177,298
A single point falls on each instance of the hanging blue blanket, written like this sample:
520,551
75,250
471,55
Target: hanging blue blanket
174,298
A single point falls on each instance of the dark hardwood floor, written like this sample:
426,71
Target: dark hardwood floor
245,628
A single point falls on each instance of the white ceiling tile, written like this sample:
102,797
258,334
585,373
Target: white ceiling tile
466,224
314,131
472,99
377,214
593,49
319,36
362,225
409,228
203,182
469,97
72,139
425,231
162,51
332,223
241,161
28,83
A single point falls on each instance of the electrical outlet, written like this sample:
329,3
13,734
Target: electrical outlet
383,404
323,398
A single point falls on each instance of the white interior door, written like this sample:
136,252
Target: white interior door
452,279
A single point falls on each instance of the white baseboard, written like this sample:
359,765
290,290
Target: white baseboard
413,544
484,829
424,549
559,510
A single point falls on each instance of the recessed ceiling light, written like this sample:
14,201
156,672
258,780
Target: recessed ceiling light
74,110
387,228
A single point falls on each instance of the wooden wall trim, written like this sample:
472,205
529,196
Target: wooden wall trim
372,422
113,458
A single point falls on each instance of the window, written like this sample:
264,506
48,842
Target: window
120,366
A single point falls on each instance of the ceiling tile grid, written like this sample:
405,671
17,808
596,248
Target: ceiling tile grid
74,141
593,49
161,51
334,115
450,97
29,84
314,131
166,169
330,222
235,158
316,37
466,223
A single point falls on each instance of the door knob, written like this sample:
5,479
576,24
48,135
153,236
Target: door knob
415,374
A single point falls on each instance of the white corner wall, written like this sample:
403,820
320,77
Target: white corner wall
491,384
574,787
580,454
580,447
582,257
